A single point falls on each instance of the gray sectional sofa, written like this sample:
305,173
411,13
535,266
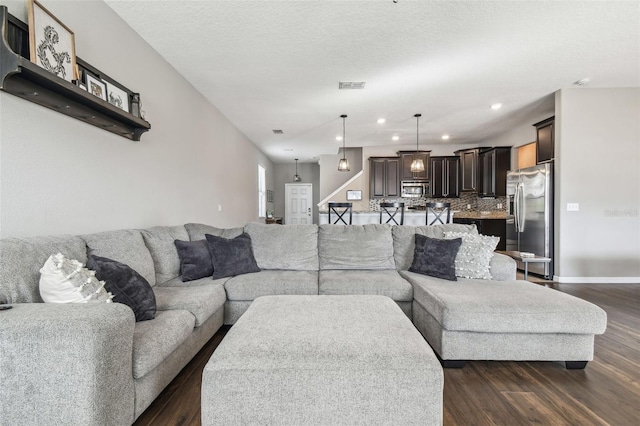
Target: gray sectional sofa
92,364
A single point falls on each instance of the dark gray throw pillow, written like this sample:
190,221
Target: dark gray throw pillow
195,259
231,257
435,257
126,285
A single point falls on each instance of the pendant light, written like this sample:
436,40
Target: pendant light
417,165
296,177
343,165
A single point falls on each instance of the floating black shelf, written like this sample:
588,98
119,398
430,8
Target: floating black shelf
21,77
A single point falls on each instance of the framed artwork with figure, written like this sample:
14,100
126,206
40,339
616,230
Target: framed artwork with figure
51,43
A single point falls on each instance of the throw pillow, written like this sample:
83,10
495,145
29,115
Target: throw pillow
231,257
195,259
126,285
435,257
474,255
65,280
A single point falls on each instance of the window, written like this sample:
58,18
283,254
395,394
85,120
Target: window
262,191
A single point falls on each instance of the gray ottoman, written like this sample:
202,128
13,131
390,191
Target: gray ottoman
323,360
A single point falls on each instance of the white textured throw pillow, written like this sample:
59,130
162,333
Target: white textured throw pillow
472,260
67,281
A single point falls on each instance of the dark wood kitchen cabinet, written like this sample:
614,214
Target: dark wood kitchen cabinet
444,177
545,138
493,165
384,173
468,169
406,158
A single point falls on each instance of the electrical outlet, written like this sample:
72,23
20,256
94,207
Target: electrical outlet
573,207
499,205
219,207
468,206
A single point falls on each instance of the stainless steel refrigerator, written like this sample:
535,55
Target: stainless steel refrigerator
530,214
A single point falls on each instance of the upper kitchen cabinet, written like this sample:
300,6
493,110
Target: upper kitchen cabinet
545,137
493,165
444,177
406,158
468,169
384,173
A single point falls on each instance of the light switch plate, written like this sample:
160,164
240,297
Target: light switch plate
573,207
219,207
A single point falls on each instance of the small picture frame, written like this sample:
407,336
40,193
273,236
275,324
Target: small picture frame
95,86
51,43
117,97
354,195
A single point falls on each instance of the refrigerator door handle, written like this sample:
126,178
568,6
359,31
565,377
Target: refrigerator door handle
521,208
515,207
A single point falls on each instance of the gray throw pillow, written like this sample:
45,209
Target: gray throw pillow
195,259
231,257
435,257
127,286
474,257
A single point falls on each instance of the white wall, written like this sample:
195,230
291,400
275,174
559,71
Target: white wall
330,178
59,175
283,173
598,166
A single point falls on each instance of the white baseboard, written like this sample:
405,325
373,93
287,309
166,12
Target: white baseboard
597,280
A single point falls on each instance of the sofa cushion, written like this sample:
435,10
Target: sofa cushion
504,306
126,285
22,258
159,241
404,239
270,283
177,282
355,247
502,267
124,246
195,259
384,283
288,247
231,257
436,257
155,340
197,231
202,301
474,255
65,280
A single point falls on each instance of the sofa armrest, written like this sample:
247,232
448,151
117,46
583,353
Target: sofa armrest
66,364
502,267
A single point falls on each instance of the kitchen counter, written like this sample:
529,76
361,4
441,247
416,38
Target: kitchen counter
411,217
473,214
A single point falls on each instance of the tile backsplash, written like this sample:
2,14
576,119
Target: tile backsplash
467,201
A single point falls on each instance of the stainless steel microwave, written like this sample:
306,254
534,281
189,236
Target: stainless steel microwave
415,188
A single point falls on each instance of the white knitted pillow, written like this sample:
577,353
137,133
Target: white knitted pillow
67,281
474,255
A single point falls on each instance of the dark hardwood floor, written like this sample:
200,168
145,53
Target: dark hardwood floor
607,392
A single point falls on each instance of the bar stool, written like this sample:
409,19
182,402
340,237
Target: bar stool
438,210
339,210
391,210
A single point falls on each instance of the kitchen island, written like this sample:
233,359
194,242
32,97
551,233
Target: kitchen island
411,217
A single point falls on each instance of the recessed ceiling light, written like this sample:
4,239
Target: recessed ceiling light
338,138
445,137
381,120
395,138
496,106
581,82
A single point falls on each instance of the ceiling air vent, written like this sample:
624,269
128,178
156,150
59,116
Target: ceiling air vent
350,85
277,131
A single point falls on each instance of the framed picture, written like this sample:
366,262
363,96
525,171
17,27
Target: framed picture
117,97
51,43
354,195
95,86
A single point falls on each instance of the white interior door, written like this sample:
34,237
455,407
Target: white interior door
297,210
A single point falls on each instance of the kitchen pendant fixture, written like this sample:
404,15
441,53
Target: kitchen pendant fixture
343,165
296,177
417,165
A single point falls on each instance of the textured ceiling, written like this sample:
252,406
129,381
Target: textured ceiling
276,64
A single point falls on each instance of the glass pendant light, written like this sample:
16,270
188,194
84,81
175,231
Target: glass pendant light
296,177
343,165
417,165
